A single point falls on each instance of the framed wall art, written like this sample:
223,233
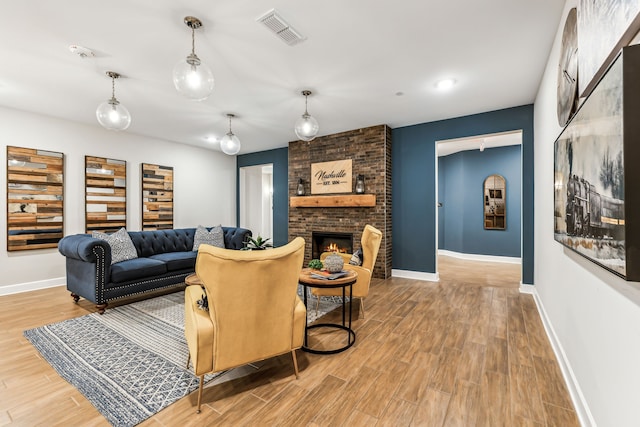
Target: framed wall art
604,27
331,177
105,182
597,205
35,198
157,197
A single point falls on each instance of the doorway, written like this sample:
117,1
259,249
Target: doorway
462,165
256,199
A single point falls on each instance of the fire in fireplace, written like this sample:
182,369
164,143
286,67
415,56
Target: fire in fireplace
324,241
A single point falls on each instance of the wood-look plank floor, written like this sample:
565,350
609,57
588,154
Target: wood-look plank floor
469,350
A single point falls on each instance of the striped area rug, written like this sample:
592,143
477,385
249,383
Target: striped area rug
130,362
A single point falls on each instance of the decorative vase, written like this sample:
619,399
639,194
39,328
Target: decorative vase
333,263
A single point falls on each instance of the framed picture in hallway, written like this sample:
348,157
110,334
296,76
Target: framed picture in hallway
596,209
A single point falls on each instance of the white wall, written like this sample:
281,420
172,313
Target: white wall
594,315
204,185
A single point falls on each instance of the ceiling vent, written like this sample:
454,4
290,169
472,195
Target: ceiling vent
281,28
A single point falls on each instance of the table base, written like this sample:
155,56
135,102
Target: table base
350,341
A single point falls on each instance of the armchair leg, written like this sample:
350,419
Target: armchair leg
317,304
362,306
295,363
200,393
188,359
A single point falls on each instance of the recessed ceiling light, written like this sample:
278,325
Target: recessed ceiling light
445,84
399,93
212,139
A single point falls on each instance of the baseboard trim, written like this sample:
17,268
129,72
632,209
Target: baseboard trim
526,288
577,397
417,275
477,257
32,286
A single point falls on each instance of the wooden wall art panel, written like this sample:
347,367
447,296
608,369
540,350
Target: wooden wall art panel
35,194
157,197
105,182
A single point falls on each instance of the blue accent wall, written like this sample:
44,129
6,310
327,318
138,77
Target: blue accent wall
414,180
460,189
280,159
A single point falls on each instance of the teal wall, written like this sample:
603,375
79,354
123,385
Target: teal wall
460,190
413,184
280,159
414,181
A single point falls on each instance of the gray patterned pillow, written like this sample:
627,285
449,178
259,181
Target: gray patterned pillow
215,237
356,258
122,247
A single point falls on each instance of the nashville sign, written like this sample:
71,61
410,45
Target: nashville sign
331,177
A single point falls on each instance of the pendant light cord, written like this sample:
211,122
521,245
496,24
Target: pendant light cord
193,41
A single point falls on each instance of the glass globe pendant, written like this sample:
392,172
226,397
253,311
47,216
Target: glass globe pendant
111,114
306,127
191,77
230,144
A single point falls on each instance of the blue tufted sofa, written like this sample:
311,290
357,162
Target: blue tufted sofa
165,258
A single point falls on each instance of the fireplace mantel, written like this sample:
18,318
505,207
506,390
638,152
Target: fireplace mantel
335,201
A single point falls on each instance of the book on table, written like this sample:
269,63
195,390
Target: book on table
321,274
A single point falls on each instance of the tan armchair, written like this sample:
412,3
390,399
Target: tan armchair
254,309
370,241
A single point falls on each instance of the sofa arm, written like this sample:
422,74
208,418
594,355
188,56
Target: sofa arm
234,237
83,247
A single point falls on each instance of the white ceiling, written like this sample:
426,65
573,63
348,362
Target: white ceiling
359,54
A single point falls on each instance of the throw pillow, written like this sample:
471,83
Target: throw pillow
215,237
122,247
356,258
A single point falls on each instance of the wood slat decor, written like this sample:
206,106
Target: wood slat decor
157,197
105,182
35,193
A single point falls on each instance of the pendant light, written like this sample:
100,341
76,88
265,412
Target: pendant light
112,114
191,77
306,127
230,144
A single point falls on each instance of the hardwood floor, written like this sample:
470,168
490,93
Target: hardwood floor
469,350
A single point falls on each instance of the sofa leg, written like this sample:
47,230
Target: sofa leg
75,297
101,307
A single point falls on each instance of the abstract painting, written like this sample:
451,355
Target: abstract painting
157,197
35,196
105,194
604,26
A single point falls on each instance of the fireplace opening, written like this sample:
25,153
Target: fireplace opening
324,241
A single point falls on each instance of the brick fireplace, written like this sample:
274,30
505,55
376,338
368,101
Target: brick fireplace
370,152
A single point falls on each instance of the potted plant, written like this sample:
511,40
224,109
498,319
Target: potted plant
257,244
315,264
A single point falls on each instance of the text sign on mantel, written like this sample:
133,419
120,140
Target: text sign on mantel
331,177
